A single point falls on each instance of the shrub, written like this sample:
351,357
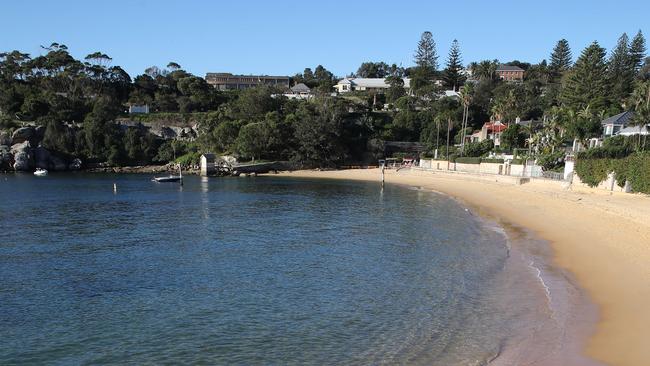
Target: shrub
492,161
191,158
551,161
634,168
518,161
476,149
593,171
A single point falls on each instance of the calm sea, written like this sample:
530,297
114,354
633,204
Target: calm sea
258,271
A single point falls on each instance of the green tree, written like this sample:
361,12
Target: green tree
395,89
452,76
253,140
560,59
426,60
426,55
637,51
513,137
373,70
318,131
586,85
621,71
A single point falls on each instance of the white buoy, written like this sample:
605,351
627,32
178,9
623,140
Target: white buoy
114,187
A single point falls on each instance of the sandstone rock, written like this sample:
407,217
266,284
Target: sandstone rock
23,156
22,134
20,147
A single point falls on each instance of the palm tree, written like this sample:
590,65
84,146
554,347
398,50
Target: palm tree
641,101
466,98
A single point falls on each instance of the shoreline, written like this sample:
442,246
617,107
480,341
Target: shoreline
601,239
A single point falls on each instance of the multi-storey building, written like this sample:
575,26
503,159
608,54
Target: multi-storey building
227,81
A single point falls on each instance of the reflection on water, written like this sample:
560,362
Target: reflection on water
244,271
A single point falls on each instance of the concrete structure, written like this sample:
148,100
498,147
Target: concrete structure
366,84
208,164
614,124
484,169
510,73
227,81
138,109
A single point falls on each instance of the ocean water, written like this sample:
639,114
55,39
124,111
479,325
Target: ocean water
265,271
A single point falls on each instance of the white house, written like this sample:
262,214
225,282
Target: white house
614,124
299,91
366,84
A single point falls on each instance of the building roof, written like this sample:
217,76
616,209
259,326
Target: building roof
229,75
635,130
620,119
495,126
509,68
300,88
209,156
452,93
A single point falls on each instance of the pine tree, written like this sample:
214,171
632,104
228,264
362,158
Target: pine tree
426,55
586,83
426,59
560,59
637,51
452,76
621,71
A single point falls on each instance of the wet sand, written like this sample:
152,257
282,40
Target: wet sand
601,239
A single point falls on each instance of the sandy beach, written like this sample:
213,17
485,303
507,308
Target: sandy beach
601,238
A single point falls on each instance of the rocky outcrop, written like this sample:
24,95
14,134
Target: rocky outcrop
23,134
23,157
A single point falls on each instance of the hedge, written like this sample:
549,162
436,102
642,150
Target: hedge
492,161
468,160
634,168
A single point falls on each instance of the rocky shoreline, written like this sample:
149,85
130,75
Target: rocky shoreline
21,151
143,169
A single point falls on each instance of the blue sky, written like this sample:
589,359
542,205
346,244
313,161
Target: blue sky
283,37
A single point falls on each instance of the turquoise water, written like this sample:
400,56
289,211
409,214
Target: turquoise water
249,271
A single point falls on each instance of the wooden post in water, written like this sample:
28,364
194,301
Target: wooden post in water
383,166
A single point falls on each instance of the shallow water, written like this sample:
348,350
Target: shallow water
261,271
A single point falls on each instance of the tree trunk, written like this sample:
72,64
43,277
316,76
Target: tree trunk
448,130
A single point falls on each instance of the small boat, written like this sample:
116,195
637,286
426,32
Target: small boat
171,178
40,172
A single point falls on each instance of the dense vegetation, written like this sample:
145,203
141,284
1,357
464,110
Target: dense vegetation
78,102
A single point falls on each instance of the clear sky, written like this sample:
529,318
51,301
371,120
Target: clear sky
283,37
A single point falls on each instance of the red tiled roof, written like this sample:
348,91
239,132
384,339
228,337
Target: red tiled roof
495,127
